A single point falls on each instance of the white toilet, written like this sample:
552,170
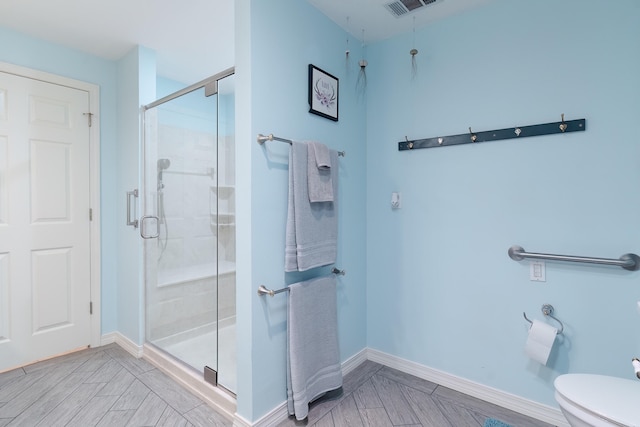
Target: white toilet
598,400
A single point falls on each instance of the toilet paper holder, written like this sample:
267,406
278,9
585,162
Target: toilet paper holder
547,310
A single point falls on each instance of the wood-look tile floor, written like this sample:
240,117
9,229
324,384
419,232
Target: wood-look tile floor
374,395
108,387
103,386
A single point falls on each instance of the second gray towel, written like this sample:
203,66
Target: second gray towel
312,228
313,357
319,173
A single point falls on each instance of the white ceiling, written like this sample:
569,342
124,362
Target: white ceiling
193,39
378,23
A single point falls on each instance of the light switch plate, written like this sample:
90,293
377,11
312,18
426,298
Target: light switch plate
396,201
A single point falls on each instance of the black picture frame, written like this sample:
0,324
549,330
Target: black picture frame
323,93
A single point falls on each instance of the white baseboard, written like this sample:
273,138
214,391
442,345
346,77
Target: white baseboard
515,403
238,421
354,361
116,337
273,418
107,339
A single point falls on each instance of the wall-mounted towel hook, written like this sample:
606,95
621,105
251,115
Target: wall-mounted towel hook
547,310
474,137
563,125
409,143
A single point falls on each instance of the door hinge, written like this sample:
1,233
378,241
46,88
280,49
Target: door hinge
90,214
89,117
90,307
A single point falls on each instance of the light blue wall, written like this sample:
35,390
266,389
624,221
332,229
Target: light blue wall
29,52
431,282
193,110
281,47
166,86
136,87
441,289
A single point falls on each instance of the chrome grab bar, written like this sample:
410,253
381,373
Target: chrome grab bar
629,262
133,222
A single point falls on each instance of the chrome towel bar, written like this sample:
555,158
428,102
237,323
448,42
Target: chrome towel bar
629,262
263,290
264,138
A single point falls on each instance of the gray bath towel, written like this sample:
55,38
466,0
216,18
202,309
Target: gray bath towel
319,173
313,357
312,228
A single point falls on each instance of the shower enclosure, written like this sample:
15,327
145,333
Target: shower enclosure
189,229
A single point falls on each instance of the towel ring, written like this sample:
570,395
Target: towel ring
547,310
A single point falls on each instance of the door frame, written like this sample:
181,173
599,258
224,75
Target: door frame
94,178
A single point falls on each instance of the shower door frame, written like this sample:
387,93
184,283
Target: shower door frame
210,86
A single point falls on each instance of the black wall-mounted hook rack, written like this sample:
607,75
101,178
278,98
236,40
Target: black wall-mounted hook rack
496,135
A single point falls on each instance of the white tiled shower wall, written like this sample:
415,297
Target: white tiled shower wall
186,295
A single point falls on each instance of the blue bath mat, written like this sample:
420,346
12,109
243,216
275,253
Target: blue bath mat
492,422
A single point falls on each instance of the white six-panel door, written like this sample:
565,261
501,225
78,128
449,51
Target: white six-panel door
44,220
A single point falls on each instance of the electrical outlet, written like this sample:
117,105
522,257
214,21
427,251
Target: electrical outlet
537,271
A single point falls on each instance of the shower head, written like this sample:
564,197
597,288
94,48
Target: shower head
163,164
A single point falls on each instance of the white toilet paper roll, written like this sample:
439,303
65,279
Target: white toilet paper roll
540,341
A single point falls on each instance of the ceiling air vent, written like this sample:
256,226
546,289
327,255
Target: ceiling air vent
402,7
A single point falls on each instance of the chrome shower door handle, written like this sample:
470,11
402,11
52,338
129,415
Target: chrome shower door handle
143,226
130,221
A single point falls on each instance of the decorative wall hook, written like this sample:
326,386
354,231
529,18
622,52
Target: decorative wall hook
347,51
409,143
563,125
413,52
518,131
474,137
361,82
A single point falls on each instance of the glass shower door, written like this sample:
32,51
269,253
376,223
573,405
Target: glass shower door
186,237
225,229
